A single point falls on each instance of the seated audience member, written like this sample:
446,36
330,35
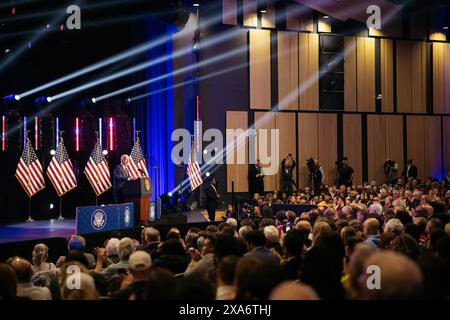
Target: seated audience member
173,257
371,227
39,259
77,282
257,248
244,267
262,281
293,291
193,290
405,244
394,226
323,266
126,248
133,287
152,241
273,239
225,290
400,277
8,283
203,264
160,285
79,243
112,250
293,248
25,288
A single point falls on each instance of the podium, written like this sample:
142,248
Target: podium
139,192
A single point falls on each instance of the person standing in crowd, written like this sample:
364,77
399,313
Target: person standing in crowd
345,174
410,171
446,180
255,178
391,171
287,168
212,196
121,175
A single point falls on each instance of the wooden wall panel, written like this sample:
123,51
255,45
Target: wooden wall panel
229,12
285,123
446,123
266,120
387,76
350,74
288,70
433,146
376,147
268,18
327,132
308,143
352,139
418,77
299,17
260,94
404,75
365,57
237,172
416,143
439,68
250,8
394,139
309,71
446,108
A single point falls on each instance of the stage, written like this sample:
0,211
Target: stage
45,229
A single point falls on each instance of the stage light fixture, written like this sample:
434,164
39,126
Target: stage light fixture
52,152
170,194
208,174
17,97
196,4
326,17
105,152
205,151
94,100
49,99
7,50
445,28
51,206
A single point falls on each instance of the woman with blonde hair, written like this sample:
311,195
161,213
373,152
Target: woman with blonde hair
39,259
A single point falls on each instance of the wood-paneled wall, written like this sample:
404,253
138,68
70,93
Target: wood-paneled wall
327,124
416,139
259,46
352,138
229,12
285,123
350,82
250,13
446,124
365,73
288,70
384,141
387,75
411,76
441,77
266,120
308,143
433,146
299,17
309,71
237,173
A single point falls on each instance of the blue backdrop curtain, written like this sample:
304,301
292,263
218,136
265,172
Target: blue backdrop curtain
155,113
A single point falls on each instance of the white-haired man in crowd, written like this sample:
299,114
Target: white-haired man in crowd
394,226
126,248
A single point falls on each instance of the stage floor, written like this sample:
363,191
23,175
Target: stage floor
44,229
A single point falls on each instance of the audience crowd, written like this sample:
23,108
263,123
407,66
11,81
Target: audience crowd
362,242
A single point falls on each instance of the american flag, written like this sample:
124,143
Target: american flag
29,171
60,171
137,165
193,171
97,171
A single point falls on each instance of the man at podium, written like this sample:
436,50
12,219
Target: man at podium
121,175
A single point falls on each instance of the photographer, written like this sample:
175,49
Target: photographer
287,168
316,174
345,173
391,171
255,179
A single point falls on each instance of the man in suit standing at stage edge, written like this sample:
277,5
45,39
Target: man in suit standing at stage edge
211,198
121,175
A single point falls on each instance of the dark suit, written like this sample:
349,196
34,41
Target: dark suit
211,198
255,185
120,177
412,172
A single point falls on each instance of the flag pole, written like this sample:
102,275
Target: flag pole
96,200
29,211
60,209
30,219
60,197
